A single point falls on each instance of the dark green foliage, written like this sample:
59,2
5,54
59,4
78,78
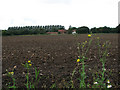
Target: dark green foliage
4,32
54,29
94,30
58,32
118,29
70,30
82,29
104,30
29,30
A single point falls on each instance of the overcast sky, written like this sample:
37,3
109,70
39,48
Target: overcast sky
91,13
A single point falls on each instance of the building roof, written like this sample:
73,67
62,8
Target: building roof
61,30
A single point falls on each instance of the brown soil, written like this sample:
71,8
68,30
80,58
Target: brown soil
55,56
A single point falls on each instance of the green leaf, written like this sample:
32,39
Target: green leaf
53,85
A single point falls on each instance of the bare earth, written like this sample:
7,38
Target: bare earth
55,56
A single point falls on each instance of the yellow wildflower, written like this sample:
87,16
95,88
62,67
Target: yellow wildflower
11,73
89,35
85,41
30,64
78,60
29,61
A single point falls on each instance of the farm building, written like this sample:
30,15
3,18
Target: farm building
61,31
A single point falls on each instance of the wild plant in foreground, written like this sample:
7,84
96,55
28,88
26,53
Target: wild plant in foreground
81,58
99,81
27,66
32,84
102,58
10,74
29,84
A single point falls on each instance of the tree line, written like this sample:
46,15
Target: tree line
85,29
29,30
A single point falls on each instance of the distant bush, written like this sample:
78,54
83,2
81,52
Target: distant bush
82,29
104,30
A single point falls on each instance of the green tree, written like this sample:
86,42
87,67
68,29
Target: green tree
118,29
82,30
71,29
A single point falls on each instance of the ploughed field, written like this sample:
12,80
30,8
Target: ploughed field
55,56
